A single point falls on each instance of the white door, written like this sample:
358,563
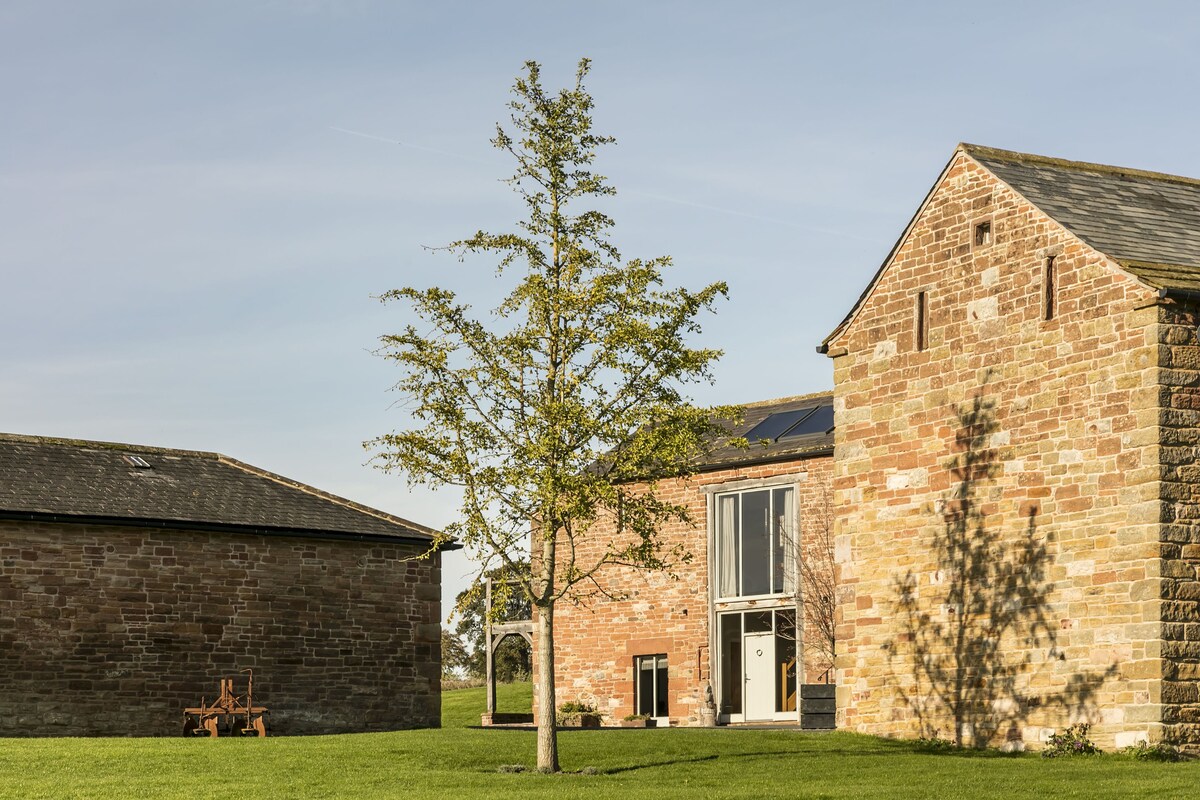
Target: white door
758,655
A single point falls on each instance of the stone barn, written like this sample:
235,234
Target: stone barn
1017,396
132,579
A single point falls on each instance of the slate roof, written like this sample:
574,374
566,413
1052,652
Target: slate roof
1148,222
725,454
70,480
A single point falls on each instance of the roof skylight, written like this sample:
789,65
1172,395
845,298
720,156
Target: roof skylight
790,424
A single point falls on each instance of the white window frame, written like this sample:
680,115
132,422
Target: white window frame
716,549
654,658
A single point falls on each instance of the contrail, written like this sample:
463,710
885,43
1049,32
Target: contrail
363,135
409,146
658,197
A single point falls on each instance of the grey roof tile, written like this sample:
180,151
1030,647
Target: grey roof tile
1148,222
41,476
725,454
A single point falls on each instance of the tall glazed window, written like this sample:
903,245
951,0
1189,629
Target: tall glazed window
755,543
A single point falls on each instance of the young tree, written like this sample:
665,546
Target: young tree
818,583
574,389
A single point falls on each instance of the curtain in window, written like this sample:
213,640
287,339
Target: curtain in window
789,537
727,546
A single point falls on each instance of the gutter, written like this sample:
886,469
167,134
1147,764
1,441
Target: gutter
215,527
1179,294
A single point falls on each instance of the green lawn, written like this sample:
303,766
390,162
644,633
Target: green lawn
460,762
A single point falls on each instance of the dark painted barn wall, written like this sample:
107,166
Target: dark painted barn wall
113,631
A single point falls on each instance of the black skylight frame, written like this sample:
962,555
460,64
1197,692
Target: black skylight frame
775,425
807,421
820,422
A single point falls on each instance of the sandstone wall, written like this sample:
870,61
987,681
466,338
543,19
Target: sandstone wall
1179,357
1074,491
112,631
596,640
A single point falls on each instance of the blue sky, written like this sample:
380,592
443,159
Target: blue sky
198,201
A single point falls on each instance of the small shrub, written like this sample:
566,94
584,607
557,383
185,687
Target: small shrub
632,717
1073,741
511,768
935,744
1144,751
576,708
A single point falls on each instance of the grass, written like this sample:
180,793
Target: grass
463,761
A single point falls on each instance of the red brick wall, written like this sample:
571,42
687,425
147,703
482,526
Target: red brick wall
596,640
1077,412
112,631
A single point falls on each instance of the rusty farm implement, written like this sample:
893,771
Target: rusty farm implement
230,715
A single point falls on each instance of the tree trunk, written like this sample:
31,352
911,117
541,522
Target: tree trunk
547,741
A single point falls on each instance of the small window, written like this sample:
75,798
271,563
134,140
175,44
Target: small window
650,686
1048,290
137,461
922,323
983,233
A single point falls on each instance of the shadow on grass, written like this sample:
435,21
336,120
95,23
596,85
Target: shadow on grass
671,762
890,749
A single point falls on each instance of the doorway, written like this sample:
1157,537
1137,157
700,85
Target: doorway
757,666
758,654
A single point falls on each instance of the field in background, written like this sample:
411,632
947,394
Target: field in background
462,760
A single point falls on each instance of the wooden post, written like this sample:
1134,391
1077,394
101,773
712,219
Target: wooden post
797,533
491,661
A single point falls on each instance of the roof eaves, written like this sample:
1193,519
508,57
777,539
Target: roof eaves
1163,276
765,457
220,527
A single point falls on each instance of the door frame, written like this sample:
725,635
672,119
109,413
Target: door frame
770,680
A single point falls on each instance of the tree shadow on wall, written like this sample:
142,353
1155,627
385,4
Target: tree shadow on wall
979,627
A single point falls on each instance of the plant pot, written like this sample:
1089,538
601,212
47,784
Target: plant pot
639,723
579,720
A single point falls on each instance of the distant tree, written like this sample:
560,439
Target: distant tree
572,390
513,658
456,660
